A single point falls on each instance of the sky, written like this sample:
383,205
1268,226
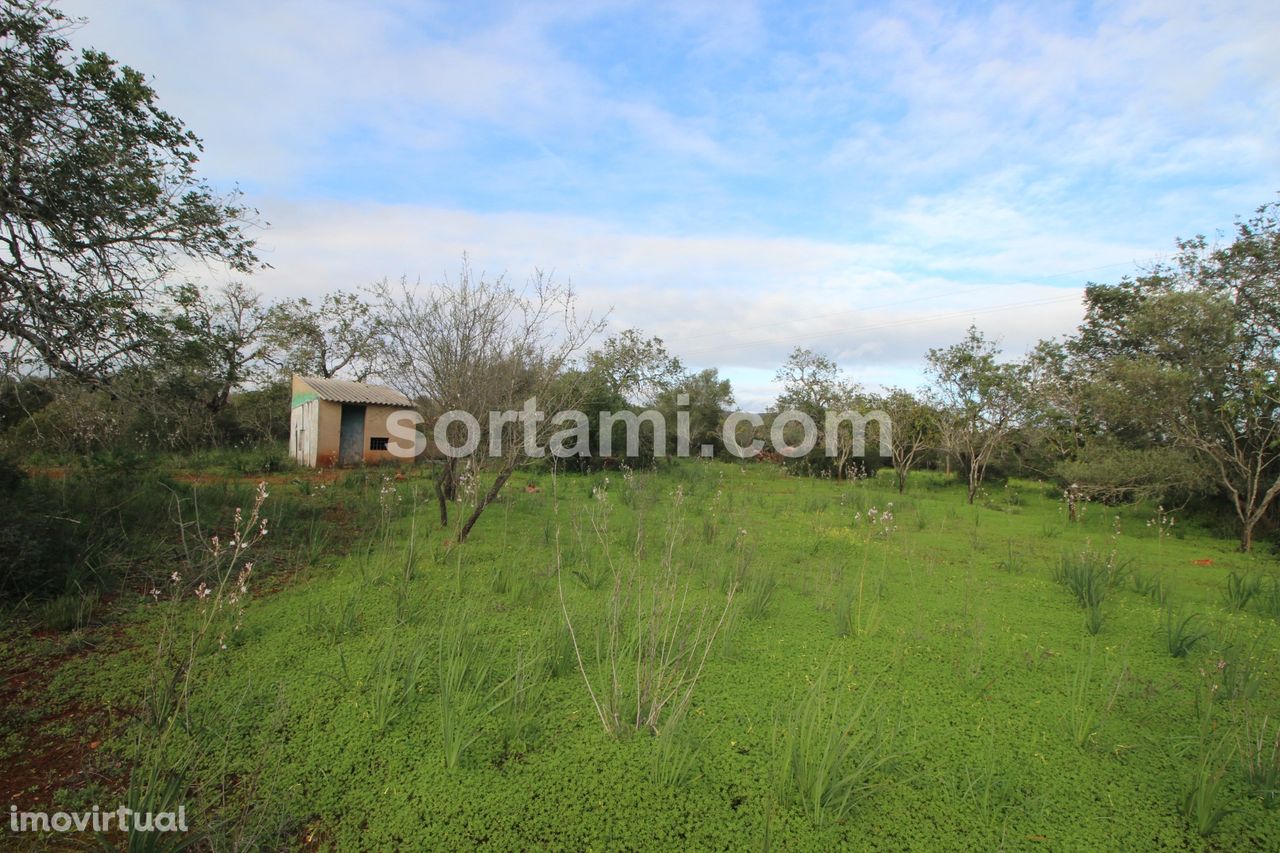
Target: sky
862,179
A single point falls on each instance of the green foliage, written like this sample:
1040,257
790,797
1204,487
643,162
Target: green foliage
1152,586
674,762
68,612
827,759
757,593
467,696
1204,801
1180,633
1087,709
1260,759
95,226
1019,723
1090,577
395,681
1240,590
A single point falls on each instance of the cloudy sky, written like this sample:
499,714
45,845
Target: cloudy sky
862,179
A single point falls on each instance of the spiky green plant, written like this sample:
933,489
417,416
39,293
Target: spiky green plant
827,758
1180,633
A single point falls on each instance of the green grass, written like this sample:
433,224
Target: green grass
959,702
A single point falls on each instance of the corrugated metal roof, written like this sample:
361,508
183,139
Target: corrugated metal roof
342,391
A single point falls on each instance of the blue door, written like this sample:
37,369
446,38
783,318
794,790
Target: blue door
351,436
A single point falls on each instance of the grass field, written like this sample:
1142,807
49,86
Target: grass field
756,661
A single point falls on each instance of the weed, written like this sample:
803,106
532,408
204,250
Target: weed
827,759
1236,674
1260,760
521,700
1203,801
393,682
466,699
1269,601
857,610
332,624
1152,586
757,594
1240,590
654,642
556,645
500,580
1085,713
1093,618
1013,562
1180,633
675,755
71,611
1089,576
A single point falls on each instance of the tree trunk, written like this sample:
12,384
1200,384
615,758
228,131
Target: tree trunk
446,489
489,497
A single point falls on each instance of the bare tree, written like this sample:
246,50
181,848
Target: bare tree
479,346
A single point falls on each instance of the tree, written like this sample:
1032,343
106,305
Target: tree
914,430
480,346
1198,359
635,368
340,334
709,398
99,199
814,385
222,340
979,401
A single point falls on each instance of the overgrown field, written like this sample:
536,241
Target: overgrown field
724,656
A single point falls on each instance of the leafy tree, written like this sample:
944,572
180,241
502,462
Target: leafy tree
99,199
338,335
1193,351
635,368
979,401
709,397
222,343
814,384
913,433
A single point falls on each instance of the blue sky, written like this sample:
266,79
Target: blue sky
863,179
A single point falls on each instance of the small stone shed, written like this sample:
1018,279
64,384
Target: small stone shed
336,422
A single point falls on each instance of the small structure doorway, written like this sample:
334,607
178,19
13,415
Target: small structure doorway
351,437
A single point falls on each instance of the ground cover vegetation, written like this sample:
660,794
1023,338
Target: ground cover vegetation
1042,610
